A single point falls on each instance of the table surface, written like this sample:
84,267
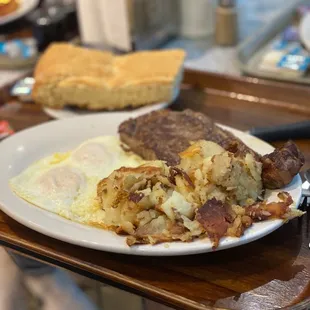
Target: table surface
272,272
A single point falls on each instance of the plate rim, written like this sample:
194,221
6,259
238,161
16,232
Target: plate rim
57,114
25,8
139,250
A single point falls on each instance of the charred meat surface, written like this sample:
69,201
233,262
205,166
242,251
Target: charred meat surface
164,134
280,166
219,219
215,217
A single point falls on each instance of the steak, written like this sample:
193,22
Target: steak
164,134
280,166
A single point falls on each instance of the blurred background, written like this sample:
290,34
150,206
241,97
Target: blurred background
216,34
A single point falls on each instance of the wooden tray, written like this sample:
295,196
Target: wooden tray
272,272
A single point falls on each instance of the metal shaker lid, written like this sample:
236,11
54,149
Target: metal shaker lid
227,3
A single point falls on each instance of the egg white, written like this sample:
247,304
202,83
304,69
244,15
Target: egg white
66,183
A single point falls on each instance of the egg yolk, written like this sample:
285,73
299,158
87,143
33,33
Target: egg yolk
92,154
60,181
59,157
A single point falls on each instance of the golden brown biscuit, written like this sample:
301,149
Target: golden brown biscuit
97,80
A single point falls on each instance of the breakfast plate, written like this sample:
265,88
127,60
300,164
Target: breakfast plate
22,149
25,7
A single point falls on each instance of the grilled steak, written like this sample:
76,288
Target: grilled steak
280,166
164,134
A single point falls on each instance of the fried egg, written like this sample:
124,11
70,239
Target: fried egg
66,183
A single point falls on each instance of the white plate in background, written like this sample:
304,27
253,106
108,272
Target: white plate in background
68,112
20,150
25,7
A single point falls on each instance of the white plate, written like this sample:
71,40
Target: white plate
69,112
25,7
304,30
23,148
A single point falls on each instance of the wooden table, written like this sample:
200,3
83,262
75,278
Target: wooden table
273,272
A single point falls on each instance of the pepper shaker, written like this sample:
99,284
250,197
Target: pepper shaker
226,30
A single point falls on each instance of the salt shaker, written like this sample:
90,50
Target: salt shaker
196,18
226,29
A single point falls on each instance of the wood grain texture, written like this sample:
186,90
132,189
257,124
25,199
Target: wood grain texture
273,272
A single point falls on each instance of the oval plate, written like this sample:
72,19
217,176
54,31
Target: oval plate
25,147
